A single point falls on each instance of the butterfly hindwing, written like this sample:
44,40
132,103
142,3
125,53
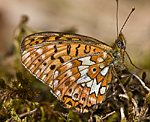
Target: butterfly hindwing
82,82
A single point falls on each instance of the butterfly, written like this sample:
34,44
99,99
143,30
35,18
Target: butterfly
77,68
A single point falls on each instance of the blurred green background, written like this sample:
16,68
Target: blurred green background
94,18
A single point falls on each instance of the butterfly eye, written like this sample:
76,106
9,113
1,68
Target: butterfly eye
121,44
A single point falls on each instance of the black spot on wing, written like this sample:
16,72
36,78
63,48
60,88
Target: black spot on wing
32,39
36,42
52,57
67,83
57,37
69,103
87,49
77,51
83,98
69,38
44,38
59,42
61,59
76,95
70,90
68,49
52,67
39,60
55,49
45,64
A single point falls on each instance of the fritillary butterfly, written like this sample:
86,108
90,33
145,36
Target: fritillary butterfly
77,68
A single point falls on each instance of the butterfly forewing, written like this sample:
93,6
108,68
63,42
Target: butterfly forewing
59,37
76,67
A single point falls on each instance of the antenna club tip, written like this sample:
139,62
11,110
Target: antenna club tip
133,8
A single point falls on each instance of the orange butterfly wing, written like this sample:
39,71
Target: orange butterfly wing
76,67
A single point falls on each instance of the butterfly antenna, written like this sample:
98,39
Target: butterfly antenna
132,62
127,19
117,24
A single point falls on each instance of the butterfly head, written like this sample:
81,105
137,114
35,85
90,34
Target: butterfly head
120,43
119,46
